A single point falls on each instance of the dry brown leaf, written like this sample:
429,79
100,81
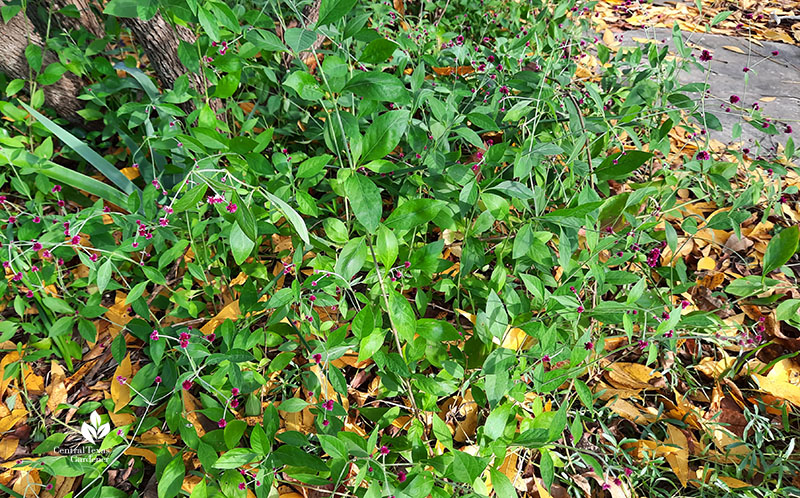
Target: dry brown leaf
706,263
715,368
447,71
57,389
8,446
631,412
679,460
733,482
782,381
191,405
27,483
631,376
10,420
733,48
231,311
148,455
120,388
7,360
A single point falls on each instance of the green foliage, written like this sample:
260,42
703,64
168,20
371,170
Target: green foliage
443,202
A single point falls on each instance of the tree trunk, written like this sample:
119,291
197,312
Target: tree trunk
16,35
160,44
37,11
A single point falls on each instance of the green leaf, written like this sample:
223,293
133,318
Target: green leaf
292,405
305,85
291,215
51,443
365,199
154,275
227,85
95,159
233,432
241,244
626,164
413,213
57,305
483,121
370,344
384,134
377,51
721,17
313,165
352,258
299,39
209,23
386,248
79,181
265,40
496,422
33,54
190,198
515,190
332,446
233,459
787,310
104,275
402,316
782,247
442,432
547,468
502,484
14,86
171,480
144,81
331,11
383,87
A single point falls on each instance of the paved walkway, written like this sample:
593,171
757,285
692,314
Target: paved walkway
774,82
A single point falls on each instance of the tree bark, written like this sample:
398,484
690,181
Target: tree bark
37,13
16,35
160,44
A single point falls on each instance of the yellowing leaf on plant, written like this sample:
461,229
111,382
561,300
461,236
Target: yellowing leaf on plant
120,389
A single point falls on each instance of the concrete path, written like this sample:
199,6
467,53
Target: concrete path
770,77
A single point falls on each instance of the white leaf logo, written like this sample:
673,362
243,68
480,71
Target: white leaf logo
94,431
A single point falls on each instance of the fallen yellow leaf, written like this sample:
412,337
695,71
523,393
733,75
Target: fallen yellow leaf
679,460
57,389
631,375
734,49
120,389
7,447
706,263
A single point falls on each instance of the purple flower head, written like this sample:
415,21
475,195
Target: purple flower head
705,56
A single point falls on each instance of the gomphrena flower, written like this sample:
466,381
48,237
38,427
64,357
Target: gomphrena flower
705,56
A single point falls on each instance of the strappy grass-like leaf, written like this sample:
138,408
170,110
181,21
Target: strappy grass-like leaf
106,168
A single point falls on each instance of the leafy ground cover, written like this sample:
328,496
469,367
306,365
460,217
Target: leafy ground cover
454,249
